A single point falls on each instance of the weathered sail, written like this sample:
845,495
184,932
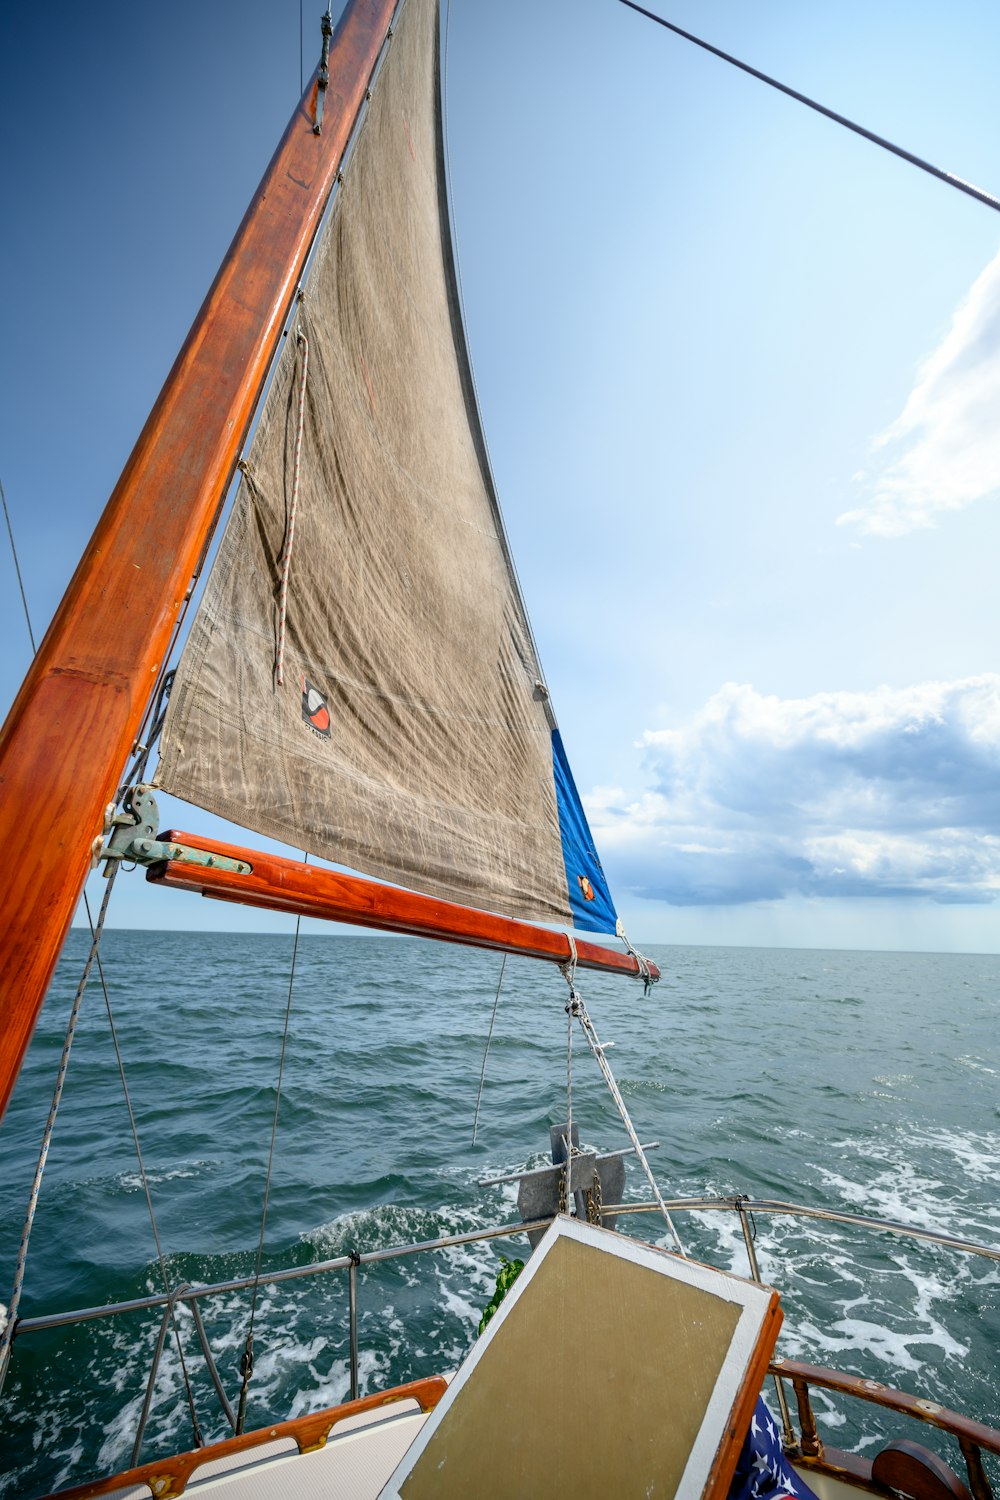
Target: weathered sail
411,737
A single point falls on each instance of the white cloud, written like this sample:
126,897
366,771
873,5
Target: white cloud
943,451
894,792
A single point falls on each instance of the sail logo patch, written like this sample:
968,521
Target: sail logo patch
314,710
586,887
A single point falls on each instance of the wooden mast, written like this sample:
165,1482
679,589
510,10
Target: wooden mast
73,725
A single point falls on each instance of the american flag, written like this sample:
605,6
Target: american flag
762,1470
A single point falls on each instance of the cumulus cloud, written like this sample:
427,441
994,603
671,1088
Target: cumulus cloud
943,451
894,792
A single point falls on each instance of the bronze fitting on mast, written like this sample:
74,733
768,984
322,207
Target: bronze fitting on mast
129,835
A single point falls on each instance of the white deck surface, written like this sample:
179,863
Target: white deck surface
358,1458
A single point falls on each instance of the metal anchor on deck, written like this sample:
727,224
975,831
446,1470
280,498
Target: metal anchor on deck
588,1181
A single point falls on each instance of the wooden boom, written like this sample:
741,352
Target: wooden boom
311,891
73,724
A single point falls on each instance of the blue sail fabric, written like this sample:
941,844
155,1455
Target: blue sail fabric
589,898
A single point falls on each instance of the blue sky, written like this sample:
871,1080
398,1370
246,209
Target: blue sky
740,375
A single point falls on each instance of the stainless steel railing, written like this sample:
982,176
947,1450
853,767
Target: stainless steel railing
191,1296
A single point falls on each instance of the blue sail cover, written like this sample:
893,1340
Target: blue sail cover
589,898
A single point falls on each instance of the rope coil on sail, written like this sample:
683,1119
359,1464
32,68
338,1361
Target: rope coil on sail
286,556
577,1008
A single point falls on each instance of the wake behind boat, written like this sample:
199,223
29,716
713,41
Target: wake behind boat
360,679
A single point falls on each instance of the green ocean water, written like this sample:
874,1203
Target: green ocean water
868,1082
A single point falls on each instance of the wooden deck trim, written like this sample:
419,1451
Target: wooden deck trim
281,884
168,1477
735,1434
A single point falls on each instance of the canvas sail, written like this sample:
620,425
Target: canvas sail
411,737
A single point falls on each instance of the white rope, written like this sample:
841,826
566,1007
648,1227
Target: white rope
568,970
286,556
645,971
569,1101
577,1008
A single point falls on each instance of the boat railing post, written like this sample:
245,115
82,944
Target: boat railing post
811,1445
213,1369
161,1339
352,1293
979,1482
788,1439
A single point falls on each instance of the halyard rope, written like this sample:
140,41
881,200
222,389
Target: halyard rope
9,1324
577,1008
286,556
569,973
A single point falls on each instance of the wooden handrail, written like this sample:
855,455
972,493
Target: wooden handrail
883,1395
74,722
168,1477
972,1437
281,884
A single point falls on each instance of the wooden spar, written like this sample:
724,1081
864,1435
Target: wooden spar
288,885
75,720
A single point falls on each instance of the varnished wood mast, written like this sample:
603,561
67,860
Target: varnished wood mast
71,729
289,885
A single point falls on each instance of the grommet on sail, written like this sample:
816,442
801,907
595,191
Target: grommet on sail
411,737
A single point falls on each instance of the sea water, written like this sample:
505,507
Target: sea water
864,1082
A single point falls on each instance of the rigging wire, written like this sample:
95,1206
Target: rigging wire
17,570
164,1275
831,114
489,1038
246,1359
568,1164
578,1010
8,1328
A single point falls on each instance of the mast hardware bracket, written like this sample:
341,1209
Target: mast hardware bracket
323,82
130,835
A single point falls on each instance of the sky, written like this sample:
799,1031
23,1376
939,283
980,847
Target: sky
740,377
